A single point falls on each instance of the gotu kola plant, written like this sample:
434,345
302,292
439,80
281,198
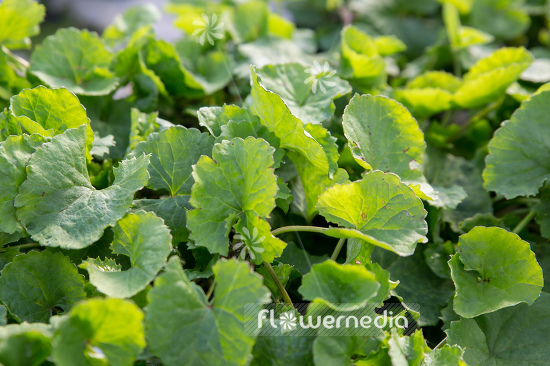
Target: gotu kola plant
198,202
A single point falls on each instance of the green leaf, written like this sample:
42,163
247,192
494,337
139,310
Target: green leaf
361,64
282,271
15,153
504,19
25,344
19,19
213,118
299,258
389,45
237,183
445,356
283,351
196,332
162,58
489,78
50,112
407,351
145,239
99,332
249,21
211,70
126,24
517,164
143,125
339,351
418,285
429,93
311,182
173,153
543,212
492,269
269,51
57,194
308,92
379,206
173,210
275,115
383,135
347,286
75,59
447,172
470,37
35,285
513,336
464,6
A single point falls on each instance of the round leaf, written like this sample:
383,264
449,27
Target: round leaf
519,152
379,206
36,285
145,239
489,78
342,286
100,332
383,135
236,184
75,59
513,336
493,269
57,204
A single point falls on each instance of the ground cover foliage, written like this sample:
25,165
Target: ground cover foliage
345,154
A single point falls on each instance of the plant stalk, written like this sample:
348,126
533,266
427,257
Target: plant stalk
338,248
523,223
280,286
290,229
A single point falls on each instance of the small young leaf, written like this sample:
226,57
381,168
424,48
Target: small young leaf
145,239
50,112
361,63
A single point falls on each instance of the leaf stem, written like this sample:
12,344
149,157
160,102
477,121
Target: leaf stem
338,249
211,290
21,61
280,286
523,223
290,229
